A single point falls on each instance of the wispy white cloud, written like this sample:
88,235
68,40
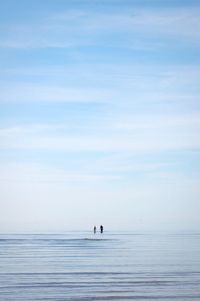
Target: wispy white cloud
31,172
79,28
140,134
179,123
43,93
127,85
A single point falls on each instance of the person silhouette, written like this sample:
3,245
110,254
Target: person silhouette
101,229
95,229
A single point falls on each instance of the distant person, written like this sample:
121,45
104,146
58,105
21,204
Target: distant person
101,229
95,229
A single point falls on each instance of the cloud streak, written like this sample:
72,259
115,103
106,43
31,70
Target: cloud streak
41,93
33,173
155,133
88,28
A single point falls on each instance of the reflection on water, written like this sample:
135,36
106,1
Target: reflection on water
81,266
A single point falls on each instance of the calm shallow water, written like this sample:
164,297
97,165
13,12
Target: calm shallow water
80,266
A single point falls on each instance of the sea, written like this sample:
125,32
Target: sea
82,266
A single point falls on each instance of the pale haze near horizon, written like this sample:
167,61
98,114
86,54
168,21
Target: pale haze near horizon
99,115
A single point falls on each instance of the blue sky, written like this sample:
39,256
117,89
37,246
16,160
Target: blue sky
99,115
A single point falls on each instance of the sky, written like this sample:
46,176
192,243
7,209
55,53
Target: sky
99,115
